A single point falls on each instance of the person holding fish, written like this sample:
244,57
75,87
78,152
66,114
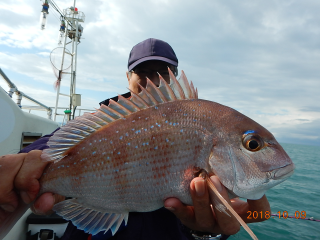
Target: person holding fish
20,174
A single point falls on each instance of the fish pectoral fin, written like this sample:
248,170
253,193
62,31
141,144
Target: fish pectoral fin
89,219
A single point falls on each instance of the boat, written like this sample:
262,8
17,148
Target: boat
19,128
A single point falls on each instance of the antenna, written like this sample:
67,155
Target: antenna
43,14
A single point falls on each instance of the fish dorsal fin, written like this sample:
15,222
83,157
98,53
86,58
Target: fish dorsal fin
151,95
89,219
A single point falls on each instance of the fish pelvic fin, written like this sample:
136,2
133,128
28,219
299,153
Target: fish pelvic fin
150,96
89,219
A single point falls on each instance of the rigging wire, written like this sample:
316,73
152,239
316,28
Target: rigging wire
56,7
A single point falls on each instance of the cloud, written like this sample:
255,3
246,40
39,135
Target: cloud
260,57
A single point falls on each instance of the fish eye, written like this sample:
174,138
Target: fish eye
252,142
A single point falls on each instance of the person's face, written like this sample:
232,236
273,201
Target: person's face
148,69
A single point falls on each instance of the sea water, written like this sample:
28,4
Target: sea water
301,192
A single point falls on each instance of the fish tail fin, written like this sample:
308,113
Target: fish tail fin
9,219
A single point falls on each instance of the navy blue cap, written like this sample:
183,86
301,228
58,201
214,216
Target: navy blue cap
151,49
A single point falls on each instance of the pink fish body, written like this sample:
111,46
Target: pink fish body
132,155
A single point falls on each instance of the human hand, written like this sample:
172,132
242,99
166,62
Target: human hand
201,217
19,183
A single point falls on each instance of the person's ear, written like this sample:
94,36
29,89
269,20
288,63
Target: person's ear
127,73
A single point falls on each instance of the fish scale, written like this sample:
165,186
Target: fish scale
155,157
133,154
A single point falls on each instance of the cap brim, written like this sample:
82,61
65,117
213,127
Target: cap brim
174,63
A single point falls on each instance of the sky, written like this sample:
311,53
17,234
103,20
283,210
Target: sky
259,57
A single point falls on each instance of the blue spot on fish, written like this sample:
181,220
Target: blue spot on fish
110,142
118,152
136,146
163,115
155,107
185,114
128,144
174,124
133,120
156,147
181,130
193,110
166,121
194,120
83,148
127,134
151,126
132,129
249,131
167,140
90,143
121,137
93,153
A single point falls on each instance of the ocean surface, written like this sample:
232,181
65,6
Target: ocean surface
301,192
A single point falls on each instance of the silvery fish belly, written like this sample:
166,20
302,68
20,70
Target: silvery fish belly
133,154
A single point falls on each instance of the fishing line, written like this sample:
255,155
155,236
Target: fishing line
309,219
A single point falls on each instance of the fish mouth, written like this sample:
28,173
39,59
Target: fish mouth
281,173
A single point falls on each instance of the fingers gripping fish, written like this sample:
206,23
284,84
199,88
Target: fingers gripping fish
133,154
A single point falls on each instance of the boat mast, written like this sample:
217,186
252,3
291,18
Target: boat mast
72,30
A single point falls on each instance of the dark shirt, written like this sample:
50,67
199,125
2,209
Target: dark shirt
157,225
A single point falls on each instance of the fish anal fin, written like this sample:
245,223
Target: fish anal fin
89,219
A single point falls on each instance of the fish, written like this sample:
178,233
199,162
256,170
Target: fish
133,154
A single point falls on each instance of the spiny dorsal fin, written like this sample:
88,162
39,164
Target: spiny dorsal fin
81,127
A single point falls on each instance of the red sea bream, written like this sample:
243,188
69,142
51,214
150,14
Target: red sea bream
133,154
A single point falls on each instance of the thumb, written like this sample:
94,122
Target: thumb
44,204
